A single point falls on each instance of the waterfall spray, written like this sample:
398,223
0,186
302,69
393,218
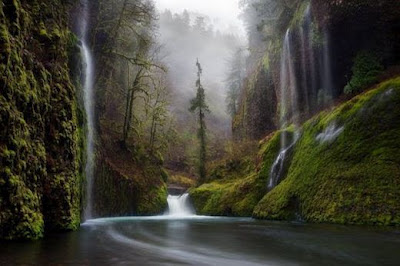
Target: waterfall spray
89,109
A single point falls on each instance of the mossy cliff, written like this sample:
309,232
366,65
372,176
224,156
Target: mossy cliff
352,179
127,181
124,194
344,168
39,136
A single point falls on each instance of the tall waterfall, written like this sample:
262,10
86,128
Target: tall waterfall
288,85
89,108
306,84
289,109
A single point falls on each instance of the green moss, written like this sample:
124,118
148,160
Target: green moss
239,184
154,202
352,179
298,15
38,143
123,192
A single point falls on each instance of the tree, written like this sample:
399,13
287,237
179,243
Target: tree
234,80
199,104
157,112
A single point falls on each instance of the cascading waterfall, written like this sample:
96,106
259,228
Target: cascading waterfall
289,108
88,104
305,83
179,206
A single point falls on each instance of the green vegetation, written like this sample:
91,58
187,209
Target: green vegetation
344,168
40,182
353,179
123,191
199,104
366,70
181,180
237,183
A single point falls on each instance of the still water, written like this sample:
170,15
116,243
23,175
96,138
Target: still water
196,240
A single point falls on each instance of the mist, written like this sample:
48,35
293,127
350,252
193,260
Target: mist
186,37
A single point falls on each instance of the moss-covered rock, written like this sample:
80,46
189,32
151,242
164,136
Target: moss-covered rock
349,173
237,185
39,154
121,190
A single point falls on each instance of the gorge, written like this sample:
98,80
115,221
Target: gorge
163,133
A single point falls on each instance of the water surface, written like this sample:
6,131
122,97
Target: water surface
196,240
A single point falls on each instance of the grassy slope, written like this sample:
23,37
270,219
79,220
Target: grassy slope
354,179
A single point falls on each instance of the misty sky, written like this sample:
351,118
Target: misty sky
224,13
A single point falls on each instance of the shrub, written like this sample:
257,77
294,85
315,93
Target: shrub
366,70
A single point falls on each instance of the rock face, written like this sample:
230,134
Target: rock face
257,112
40,140
344,168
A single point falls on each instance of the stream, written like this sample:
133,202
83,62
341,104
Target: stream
181,238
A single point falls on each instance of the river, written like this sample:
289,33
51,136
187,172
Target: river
175,239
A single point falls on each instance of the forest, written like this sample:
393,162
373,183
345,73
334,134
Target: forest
154,132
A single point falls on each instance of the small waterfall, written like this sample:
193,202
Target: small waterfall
278,167
330,133
89,109
179,206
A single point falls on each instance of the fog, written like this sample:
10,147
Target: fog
223,13
194,29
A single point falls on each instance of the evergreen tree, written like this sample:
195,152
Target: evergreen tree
199,104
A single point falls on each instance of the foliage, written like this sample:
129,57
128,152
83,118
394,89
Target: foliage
238,182
132,102
366,70
199,104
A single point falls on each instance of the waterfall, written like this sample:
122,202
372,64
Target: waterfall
306,85
330,133
288,84
289,109
89,109
179,206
